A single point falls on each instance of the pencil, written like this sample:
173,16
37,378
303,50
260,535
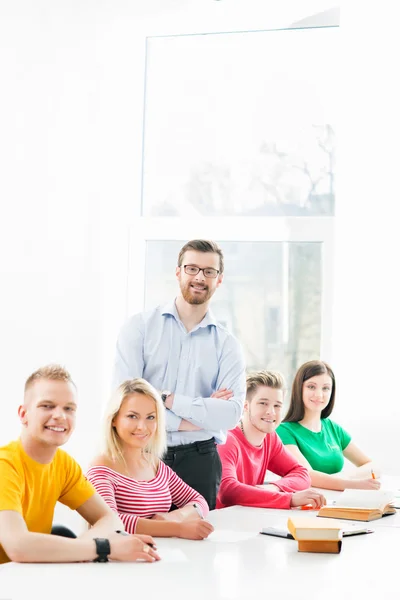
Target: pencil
373,474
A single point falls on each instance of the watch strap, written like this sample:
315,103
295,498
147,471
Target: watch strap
103,549
164,395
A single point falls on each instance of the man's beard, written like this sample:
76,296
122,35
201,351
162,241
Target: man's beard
192,298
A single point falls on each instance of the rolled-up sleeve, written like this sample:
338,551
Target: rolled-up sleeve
214,413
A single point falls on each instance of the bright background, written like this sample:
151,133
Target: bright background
76,254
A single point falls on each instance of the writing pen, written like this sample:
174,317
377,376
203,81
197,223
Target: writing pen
373,474
125,533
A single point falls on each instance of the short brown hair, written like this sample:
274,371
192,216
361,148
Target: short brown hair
52,372
310,369
272,379
202,246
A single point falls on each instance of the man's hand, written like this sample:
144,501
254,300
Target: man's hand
222,394
131,548
315,499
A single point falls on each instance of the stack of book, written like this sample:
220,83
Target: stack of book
316,535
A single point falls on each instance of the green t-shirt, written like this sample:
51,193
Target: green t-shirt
323,450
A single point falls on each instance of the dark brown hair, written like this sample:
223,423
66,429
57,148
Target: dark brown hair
310,369
203,246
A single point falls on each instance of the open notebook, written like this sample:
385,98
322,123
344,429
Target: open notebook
360,505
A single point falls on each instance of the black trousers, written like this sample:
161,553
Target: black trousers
199,465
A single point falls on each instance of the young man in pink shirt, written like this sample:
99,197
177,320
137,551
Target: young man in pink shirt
253,447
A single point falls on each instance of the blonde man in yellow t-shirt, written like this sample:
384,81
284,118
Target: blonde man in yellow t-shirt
35,474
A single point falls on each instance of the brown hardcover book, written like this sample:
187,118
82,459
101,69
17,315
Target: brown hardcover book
360,505
327,547
312,529
355,514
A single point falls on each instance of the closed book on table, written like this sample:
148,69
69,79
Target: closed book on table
360,505
316,535
312,529
324,547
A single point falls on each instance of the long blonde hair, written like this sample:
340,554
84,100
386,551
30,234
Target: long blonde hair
112,446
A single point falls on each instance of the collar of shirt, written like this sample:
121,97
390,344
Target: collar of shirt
170,309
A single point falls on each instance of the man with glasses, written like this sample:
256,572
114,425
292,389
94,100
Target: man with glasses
195,362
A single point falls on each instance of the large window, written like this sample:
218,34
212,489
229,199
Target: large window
241,124
239,146
270,299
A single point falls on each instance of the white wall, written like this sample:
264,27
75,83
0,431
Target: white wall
71,107
71,128
367,298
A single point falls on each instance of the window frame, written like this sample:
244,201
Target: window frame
235,229
307,229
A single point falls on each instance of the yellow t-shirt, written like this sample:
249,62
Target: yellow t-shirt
32,489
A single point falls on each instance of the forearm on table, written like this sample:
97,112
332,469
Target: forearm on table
103,527
365,471
329,482
40,547
156,528
234,492
185,513
296,480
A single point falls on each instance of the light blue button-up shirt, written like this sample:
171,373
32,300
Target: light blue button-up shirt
155,345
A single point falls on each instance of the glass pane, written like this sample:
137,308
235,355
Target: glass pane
270,298
241,124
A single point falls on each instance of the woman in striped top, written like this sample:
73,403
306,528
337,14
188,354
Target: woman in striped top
131,476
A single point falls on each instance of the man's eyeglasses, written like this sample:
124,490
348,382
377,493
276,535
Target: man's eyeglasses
208,271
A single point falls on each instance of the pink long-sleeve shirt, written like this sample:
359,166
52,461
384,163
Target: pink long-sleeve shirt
244,467
133,499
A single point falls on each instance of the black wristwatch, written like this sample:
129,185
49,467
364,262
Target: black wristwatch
103,549
164,395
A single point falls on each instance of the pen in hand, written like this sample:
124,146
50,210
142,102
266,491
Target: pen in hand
125,533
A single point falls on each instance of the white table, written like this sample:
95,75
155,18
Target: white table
250,566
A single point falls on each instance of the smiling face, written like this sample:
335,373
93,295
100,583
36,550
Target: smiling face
136,421
198,289
317,392
48,412
263,411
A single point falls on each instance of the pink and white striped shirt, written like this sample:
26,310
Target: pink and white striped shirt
133,499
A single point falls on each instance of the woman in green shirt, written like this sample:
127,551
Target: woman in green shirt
317,442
